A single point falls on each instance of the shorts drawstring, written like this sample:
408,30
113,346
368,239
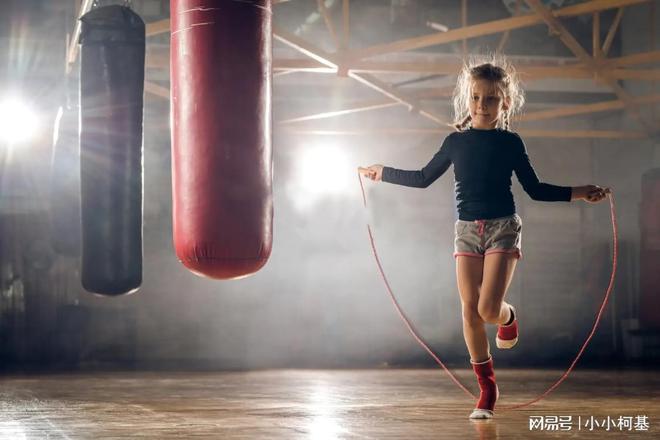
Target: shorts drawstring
482,226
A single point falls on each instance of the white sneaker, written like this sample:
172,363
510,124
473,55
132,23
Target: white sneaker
479,413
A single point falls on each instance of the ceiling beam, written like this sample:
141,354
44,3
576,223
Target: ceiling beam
505,36
561,32
596,107
157,27
361,70
574,46
528,72
634,59
330,61
607,44
420,94
491,27
302,46
159,58
355,109
346,25
595,35
488,28
555,134
559,112
328,23
638,74
464,13
157,89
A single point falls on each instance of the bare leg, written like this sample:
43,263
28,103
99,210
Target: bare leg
469,272
497,274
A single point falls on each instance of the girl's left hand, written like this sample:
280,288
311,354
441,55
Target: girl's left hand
594,193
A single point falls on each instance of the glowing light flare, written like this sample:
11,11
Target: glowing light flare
18,123
321,170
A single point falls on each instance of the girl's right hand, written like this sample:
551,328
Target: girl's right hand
589,193
373,172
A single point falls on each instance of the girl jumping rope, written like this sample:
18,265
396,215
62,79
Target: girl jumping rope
487,242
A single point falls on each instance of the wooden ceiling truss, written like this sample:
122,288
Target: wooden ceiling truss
359,65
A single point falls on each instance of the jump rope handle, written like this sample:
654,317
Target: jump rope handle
366,172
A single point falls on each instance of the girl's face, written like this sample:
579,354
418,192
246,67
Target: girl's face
486,104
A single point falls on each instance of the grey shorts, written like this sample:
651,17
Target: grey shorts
482,237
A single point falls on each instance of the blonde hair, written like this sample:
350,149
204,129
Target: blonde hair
502,74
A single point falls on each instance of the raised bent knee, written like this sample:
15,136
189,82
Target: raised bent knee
489,313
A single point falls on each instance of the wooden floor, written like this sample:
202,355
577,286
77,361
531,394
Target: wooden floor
317,405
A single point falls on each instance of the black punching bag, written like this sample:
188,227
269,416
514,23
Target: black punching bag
111,95
64,185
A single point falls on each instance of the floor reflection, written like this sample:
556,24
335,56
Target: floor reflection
312,405
485,429
12,430
324,424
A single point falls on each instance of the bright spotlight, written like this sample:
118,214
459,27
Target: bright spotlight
17,121
321,170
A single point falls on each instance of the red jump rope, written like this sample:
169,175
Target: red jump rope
419,340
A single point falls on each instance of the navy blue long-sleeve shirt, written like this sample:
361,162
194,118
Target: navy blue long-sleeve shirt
484,161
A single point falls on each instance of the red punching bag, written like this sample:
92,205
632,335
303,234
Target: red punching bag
221,135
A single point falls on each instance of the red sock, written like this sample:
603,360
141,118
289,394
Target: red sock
487,386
